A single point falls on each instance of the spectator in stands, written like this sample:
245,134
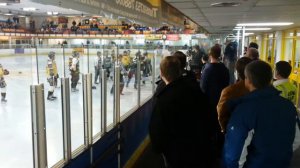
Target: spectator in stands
232,92
230,57
214,79
282,72
261,129
179,125
253,45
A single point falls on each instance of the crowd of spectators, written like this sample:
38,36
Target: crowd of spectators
250,123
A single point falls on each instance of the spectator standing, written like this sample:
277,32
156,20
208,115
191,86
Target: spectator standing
261,130
282,72
230,58
214,79
178,126
232,92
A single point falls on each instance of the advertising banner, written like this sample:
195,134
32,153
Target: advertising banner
138,10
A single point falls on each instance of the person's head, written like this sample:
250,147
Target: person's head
253,45
258,75
240,66
253,53
99,54
182,58
205,58
75,54
215,52
51,55
170,69
196,48
282,70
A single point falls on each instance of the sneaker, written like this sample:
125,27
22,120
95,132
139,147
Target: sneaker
74,90
3,100
96,83
50,98
53,97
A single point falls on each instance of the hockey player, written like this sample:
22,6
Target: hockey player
52,74
3,83
97,64
107,65
74,68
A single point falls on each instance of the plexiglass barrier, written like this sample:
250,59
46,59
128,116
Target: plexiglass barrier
47,64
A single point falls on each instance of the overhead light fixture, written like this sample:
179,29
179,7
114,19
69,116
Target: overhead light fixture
225,4
255,28
247,34
29,9
52,13
3,4
21,16
238,27
266,24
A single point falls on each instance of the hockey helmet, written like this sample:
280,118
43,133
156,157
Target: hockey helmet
51,54
75,54
99,53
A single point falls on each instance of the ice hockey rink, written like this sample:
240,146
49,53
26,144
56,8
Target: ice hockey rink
15,115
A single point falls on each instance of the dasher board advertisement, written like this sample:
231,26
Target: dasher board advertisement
138,10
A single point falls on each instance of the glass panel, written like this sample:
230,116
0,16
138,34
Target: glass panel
128,79
15,114
146,69
288,49
50,63
95,55
297,56
109,54
270,46
74,64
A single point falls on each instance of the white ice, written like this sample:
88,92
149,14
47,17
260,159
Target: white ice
15,114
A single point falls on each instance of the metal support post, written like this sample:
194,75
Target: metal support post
116,116
243,41
64,60
66,118
37,65
88,113
238,42
103,101
87,106
39,139
139,80
153,73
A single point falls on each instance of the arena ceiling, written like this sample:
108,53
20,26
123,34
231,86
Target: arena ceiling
224,19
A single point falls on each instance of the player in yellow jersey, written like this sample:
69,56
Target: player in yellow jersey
3,83
52,75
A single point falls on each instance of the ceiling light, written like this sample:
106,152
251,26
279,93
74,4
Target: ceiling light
256,28
266,24
238,27
247,34
8,14
21,16
225,4
55,13
29,9
3,4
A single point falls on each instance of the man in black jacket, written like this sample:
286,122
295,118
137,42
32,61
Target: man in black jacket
179,126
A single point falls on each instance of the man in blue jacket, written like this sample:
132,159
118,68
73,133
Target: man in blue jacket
261,130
